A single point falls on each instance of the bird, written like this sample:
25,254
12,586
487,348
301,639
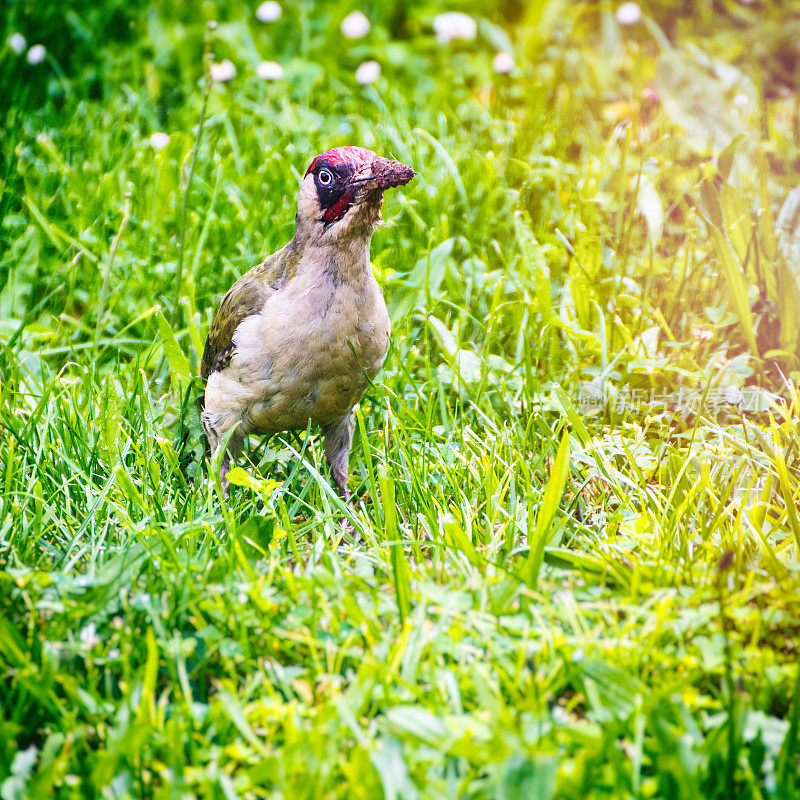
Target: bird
299,337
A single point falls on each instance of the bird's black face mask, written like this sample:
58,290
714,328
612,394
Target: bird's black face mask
335,194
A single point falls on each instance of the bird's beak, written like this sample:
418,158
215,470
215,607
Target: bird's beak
384,174
387,174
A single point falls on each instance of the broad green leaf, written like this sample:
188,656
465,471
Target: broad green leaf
110,422
650,207
526,778
564,557
737,287
420,723
128,487
611,691
710,205
693,99
535,262
446,339
789,489
541,19
448,162
179,368
240,477
402,583
168,164
197,341
572,414
256,534
391,766
766,219
726,157
496,36
236,713
17,785
171,457
547,511
791,742
18,267
584,277
739,229
459,539
147,705
424,280
788,302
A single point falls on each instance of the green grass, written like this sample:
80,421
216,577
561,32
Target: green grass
571,570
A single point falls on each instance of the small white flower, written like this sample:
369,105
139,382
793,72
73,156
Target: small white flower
222,71
503,63
368,72
269,11
560,715
269,71
741,100
37,54
88,636
159,140
629,14
454,25
355,26
732,395
17,43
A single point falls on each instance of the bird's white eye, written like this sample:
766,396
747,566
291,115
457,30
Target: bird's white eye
325,178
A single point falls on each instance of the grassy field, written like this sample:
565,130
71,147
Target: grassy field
572,567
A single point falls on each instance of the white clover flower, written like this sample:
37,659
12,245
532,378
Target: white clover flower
560,715
269,71
268,11
222,71
88,636
503,63
17,43
732,395
368,72
37,54
741,100
454,25
629,14
159,140
355,26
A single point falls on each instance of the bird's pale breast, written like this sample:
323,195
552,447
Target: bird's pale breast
310,354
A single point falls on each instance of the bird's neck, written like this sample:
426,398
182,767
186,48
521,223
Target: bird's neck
345,260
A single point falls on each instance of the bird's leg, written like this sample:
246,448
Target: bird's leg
338,440
224,467
232,452
215,436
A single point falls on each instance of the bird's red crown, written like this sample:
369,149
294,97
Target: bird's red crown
341,155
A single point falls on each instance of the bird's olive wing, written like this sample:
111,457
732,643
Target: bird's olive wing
247,296
243,299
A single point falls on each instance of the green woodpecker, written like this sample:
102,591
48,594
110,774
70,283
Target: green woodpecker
298,338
